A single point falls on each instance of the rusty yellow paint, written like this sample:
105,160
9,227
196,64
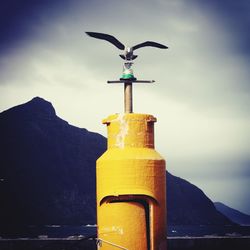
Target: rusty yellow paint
131,186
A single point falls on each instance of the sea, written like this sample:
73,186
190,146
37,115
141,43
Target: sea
90,231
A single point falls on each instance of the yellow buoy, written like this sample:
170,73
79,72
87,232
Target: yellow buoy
131,186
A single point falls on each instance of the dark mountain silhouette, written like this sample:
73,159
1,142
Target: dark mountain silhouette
47,173
47,167
233,214
188,205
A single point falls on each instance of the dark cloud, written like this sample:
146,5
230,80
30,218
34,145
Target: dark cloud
19,19
235,17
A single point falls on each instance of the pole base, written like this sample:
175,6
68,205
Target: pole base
131,79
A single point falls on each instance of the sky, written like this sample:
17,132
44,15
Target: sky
202,89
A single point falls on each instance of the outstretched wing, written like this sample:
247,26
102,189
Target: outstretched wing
108,38
149,43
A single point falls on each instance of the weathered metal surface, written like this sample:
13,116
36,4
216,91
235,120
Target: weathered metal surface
131,188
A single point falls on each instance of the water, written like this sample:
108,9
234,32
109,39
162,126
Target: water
48,231
203,231
65,231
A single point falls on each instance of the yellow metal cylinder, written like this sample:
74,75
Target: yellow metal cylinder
131,186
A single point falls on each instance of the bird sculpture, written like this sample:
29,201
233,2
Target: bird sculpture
128,51
128,56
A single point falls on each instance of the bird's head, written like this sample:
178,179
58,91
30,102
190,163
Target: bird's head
128,54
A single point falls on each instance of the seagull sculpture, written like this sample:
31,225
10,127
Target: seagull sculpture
128,51
128,56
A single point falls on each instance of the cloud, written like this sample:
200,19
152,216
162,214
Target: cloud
201,94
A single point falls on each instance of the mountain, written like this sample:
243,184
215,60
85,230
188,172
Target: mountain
233,214
47,167
188,205
47,173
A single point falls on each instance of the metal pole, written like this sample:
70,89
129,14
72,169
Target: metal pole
128,97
